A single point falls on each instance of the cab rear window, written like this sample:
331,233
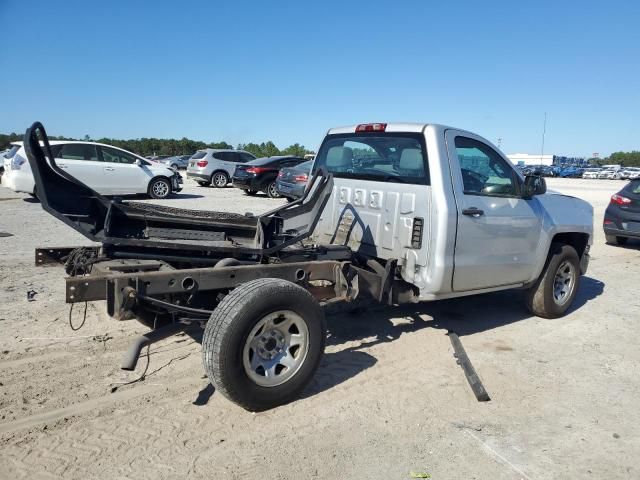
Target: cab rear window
382,157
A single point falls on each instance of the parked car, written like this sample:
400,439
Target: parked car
261,174
215,167
622,216
571,172
107,170
590,173
176,162
629,173
292,181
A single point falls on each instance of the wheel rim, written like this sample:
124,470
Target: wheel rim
564,282
273,191
220,180
276,348
160,189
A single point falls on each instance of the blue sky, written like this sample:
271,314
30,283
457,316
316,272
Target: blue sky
286,71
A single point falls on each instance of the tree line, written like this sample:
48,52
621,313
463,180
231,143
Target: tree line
169,146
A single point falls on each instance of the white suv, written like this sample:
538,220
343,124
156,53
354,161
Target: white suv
215,167
107,170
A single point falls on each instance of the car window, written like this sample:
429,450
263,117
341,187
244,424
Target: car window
383,157
246,157
78,151
224,156
633,187
112,155
484,171
199,154
12,151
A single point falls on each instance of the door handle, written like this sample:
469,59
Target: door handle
109,169
473,212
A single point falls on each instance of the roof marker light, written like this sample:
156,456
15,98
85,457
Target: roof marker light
371,127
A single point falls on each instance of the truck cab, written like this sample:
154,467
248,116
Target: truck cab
447,205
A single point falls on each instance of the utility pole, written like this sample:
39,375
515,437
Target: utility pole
544,130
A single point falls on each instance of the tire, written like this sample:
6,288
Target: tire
272,191
203,184
219,179
615,240
241,322
251,193
175,167
159,188
544,299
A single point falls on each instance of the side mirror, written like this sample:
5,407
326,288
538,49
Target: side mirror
534,185
138,162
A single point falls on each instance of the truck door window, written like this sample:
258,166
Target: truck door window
484,171
382,157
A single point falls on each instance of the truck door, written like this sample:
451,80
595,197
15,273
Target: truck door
498,231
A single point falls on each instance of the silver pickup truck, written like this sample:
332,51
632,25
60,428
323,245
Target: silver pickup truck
395,213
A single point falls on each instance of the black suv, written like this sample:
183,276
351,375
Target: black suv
260,174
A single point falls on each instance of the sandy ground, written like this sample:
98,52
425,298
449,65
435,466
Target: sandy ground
388,398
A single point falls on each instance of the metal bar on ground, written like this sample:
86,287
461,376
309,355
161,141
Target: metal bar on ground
472,377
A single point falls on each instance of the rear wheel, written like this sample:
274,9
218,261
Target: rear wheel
263,343
555,289
615,240
219,179
174,166
159,188
272,191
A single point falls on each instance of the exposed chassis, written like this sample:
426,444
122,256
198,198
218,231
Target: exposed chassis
170,268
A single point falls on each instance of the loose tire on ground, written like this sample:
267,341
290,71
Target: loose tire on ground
235,326
615,240
159,188
561,273
219,179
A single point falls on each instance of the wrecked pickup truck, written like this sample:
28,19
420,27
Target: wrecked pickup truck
394,212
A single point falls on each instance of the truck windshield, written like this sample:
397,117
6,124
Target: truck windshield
383,157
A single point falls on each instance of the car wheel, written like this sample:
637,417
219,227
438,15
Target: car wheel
263,343
555,289
175,166
219,179
159,188
250,192
615,240
272,191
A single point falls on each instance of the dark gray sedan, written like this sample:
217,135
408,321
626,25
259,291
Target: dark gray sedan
292,181
622,217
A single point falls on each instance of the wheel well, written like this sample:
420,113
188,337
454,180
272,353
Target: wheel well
220,171
576,240
157,178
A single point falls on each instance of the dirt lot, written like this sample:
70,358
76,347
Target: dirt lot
388,398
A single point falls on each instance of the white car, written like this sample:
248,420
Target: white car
590,173
629,173
107,170
607,174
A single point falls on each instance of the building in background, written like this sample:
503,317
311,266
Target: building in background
537,159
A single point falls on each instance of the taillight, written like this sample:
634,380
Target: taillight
607,221
620,200
301,178
257,170
371,127
280,174
202,163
